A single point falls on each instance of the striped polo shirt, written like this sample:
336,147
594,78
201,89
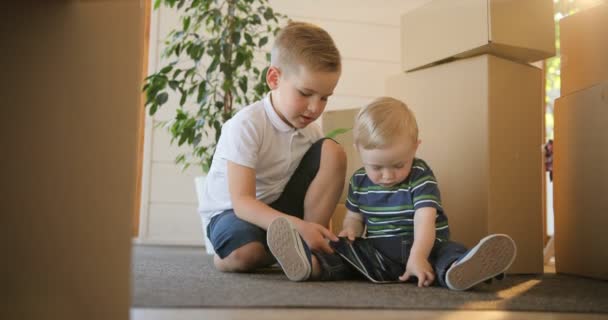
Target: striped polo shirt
389,211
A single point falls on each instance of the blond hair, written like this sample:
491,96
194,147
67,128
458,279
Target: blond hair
301,43
383,122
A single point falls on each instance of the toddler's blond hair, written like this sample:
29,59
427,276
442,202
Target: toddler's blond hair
301,43
383,122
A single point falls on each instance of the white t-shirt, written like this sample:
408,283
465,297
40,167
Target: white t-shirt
257,138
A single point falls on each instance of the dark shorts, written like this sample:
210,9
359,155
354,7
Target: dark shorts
228,232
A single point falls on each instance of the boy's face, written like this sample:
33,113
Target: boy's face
389,165
299,97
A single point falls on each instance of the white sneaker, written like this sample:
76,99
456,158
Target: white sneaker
287,247
492,256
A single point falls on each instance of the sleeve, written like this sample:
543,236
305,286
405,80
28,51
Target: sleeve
313,132
316,131
240,141
352,201
425,191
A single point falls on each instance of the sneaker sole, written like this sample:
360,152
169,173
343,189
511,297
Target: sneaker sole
286,246
492,256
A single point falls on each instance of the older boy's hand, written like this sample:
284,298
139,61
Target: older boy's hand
316,236
421,269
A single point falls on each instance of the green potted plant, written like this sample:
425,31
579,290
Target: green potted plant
214,65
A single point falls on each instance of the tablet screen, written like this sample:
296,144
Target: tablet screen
370,262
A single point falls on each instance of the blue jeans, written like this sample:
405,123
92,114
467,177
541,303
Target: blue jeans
443,254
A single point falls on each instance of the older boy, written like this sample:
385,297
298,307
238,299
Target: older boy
272,161
394,202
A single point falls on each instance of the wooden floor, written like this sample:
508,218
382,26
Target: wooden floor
360,314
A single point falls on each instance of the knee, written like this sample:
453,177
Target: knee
333,155
243,259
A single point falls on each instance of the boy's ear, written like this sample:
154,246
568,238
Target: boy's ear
272,77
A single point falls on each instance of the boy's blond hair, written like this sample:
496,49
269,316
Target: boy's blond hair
301,43
385,121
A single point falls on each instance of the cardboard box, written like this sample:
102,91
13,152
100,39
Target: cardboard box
480,122
580,182
520,30
584,49
73,107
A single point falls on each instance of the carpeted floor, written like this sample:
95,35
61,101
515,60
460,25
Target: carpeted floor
185,277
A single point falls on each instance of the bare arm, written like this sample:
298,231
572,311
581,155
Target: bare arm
241,185
424,232
352,226
424,238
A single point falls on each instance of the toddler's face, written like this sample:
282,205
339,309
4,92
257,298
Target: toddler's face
389,165
300,97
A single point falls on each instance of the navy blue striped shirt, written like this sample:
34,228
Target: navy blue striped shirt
389,211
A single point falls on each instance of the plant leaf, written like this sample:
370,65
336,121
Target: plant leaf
153,109
182,100
162,98
268,14
173,84
186,23
248,38
263,41
243,84
336,132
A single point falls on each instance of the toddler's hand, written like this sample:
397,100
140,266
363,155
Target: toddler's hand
348,233
421,269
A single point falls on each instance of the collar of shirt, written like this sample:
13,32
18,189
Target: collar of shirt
274,117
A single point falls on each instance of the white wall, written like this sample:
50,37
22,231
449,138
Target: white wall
367,35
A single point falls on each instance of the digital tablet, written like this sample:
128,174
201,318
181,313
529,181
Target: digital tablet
366,259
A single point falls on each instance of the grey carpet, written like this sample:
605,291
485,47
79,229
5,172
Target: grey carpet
185,277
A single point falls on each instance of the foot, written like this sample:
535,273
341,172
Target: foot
492,256
287,247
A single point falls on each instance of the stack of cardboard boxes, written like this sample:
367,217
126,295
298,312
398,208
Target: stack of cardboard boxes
479,105
581,146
